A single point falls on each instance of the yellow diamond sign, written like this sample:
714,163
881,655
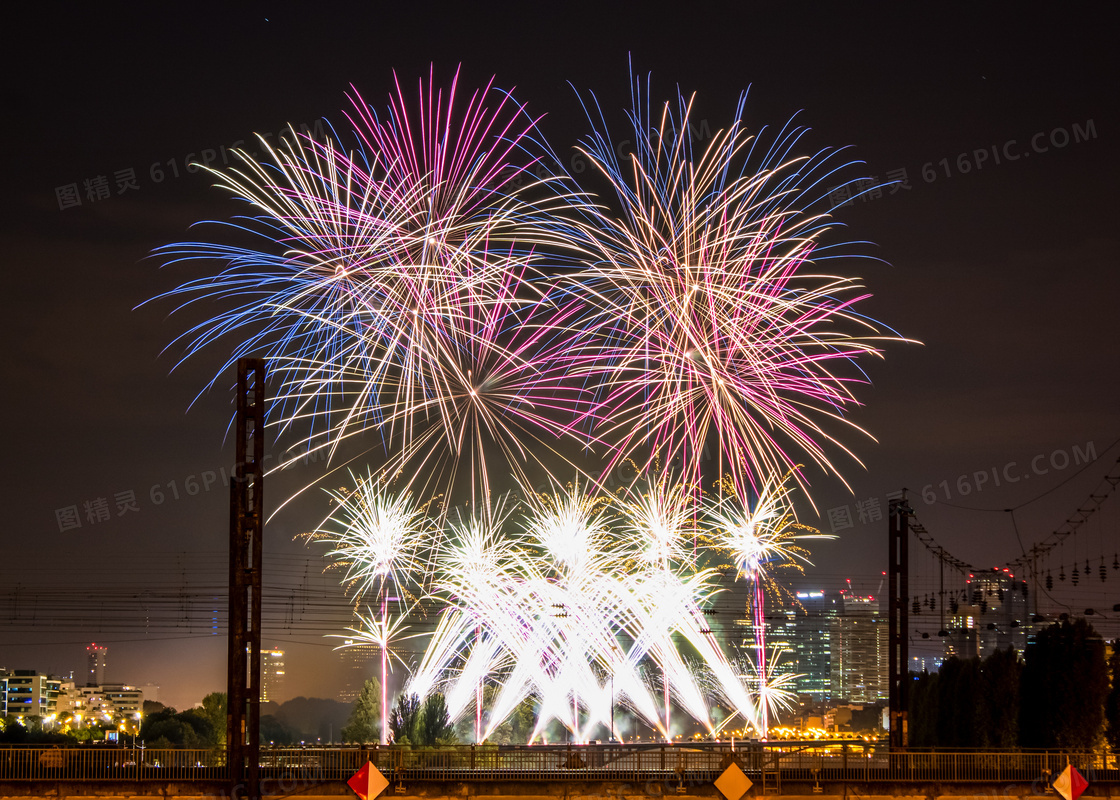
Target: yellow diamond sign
733,783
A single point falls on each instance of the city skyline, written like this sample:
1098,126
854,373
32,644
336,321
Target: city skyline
818,640
309,676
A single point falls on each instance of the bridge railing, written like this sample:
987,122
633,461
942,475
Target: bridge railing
110,764
550,763
490,763
871,764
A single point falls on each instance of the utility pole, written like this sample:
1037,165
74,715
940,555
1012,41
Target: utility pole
942,631
246,528
899,624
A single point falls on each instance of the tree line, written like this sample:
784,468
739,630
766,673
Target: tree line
1063,693
427,723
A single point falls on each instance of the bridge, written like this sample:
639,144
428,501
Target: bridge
573,772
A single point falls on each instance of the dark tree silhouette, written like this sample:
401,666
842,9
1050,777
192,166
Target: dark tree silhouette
404,720
1001,674
959,703
435,723
1064,688
923,710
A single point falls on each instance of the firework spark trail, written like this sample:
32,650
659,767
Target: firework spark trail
671,603
760,539
585,574
659,522
380,632
379,538
405,262
578,628
575,596
709,317
582,589
579,594
775,690
501,394
398,290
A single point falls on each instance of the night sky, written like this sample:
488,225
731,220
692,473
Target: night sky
1006,272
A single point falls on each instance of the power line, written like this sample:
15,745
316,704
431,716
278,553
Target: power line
1074,522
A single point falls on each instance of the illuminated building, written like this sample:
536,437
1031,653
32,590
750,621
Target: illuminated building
811,640
991,614
70,698
107,701
272,674
859,650
835,645
359,664
118,698
28,693
799,643
963,640
96,656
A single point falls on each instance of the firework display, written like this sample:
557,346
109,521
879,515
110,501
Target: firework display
500,341
564,593
400,293
712,320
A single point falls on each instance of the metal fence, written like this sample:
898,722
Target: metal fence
869,763
111,764
876,764
553,763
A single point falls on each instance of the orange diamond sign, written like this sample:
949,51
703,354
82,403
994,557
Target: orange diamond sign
368,782
1070,784
733,783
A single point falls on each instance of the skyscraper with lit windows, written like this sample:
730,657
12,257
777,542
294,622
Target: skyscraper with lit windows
798,642
96,657
359,662
859,650
272,674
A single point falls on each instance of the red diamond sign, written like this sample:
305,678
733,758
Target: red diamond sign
368,782
1070,784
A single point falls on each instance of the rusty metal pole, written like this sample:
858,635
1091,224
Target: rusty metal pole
898,655
245,553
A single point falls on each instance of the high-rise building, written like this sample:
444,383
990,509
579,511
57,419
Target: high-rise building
990,614
359,662
961,640
811,650
859,651
798,643
272,674
96,656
